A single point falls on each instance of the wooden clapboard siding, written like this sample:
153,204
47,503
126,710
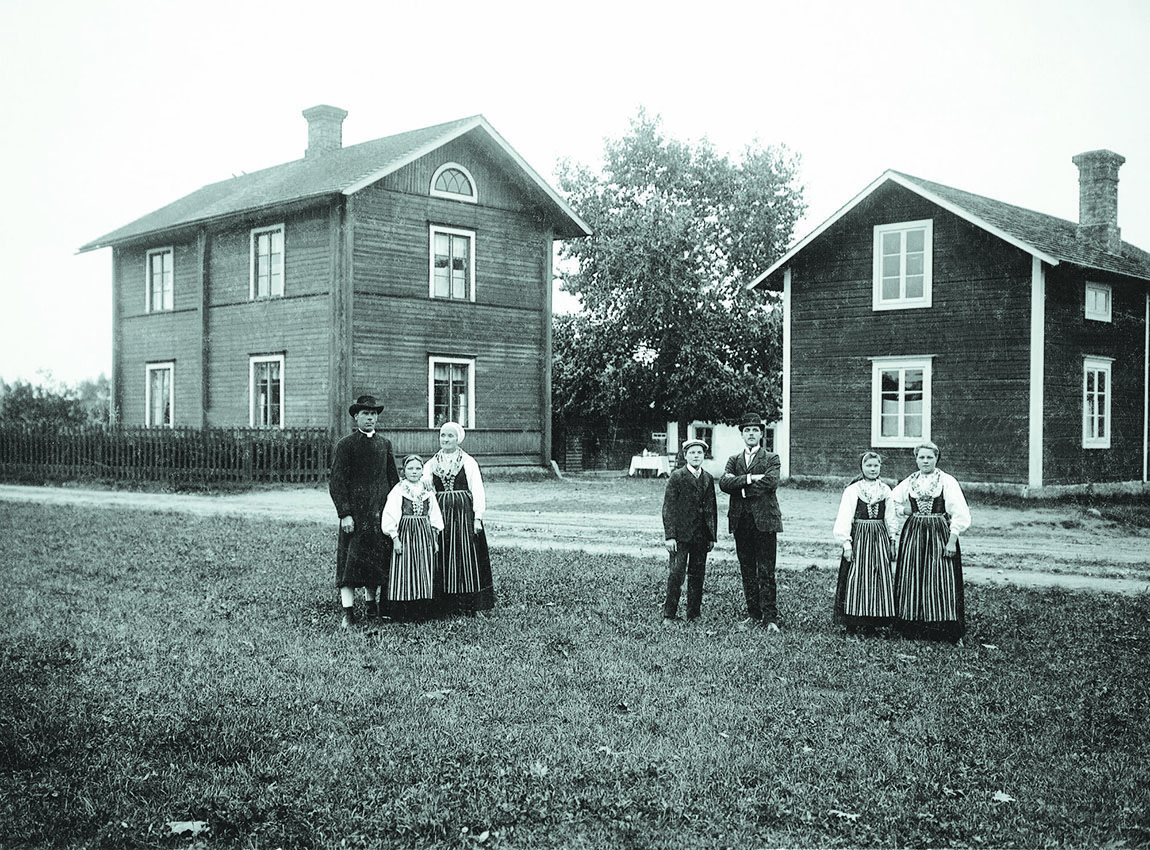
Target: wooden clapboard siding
490,167
977,330
394,337
392,247
1070,337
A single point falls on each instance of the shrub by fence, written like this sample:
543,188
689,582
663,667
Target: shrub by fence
189,456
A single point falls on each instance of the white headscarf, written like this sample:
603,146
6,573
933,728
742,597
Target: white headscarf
454,427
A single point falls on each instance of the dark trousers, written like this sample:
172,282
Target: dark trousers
756,551
689,560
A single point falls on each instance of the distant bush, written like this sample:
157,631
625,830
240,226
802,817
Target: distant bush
52,403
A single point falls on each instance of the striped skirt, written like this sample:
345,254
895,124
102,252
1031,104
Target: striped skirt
865,593
412,573
928,586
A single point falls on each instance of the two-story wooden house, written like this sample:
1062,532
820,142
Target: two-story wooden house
415,267
1016,341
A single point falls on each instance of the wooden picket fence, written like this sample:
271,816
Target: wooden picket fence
196,457
190,456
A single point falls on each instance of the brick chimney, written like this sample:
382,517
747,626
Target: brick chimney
324,129
1098,199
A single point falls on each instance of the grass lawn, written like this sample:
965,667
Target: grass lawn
173,681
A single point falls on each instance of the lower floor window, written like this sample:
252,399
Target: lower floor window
267,395
706,433
1096,393
900,401
159,386
451,391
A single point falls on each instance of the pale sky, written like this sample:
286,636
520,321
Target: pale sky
114,108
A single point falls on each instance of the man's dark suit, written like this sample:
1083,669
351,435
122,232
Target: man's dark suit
755,520
690,518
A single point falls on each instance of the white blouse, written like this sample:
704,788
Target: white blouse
846,514
393,508
952,494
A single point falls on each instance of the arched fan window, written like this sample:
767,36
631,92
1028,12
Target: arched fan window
452,180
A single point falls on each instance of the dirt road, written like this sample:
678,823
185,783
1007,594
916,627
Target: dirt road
1025,546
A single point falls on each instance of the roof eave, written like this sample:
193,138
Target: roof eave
289,205
577,229
894,177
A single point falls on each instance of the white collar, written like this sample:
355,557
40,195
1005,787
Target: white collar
368,434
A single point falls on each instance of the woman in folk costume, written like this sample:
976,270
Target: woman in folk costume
865,525
928,578
463,558
411,518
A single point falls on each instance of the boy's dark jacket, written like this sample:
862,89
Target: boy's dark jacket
689,506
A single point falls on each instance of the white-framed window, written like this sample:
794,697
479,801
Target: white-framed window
451,391
452,180
703,431
1096,393
1098,302
267,265
900,401
159,394
452,264
159,273
902,265
266,390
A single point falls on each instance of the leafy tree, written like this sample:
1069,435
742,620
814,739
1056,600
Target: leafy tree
51,404
668,329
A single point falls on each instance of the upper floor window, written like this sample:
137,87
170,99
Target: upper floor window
1096,393
451,391
267,270
1098,301
266,390
452,264
902,265
159,384
452,180
159,280
900,401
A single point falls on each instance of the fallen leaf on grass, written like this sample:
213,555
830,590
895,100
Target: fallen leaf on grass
844,815
610,751
195,827
989,646
906,657
1002,797
441,694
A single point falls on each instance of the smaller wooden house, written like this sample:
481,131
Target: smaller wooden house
1016,341
416,267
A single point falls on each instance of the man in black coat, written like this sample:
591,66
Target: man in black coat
751,478
690,518
362,474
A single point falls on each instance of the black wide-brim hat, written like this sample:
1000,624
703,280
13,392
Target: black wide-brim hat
365,402
751,420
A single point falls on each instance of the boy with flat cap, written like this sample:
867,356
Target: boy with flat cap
751,478
690,517
362,474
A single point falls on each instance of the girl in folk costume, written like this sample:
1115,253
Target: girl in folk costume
865,525
463,557
928,578
412,519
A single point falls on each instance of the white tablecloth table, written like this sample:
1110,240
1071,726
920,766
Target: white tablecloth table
658,464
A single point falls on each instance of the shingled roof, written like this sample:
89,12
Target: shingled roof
1051,239
342,171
